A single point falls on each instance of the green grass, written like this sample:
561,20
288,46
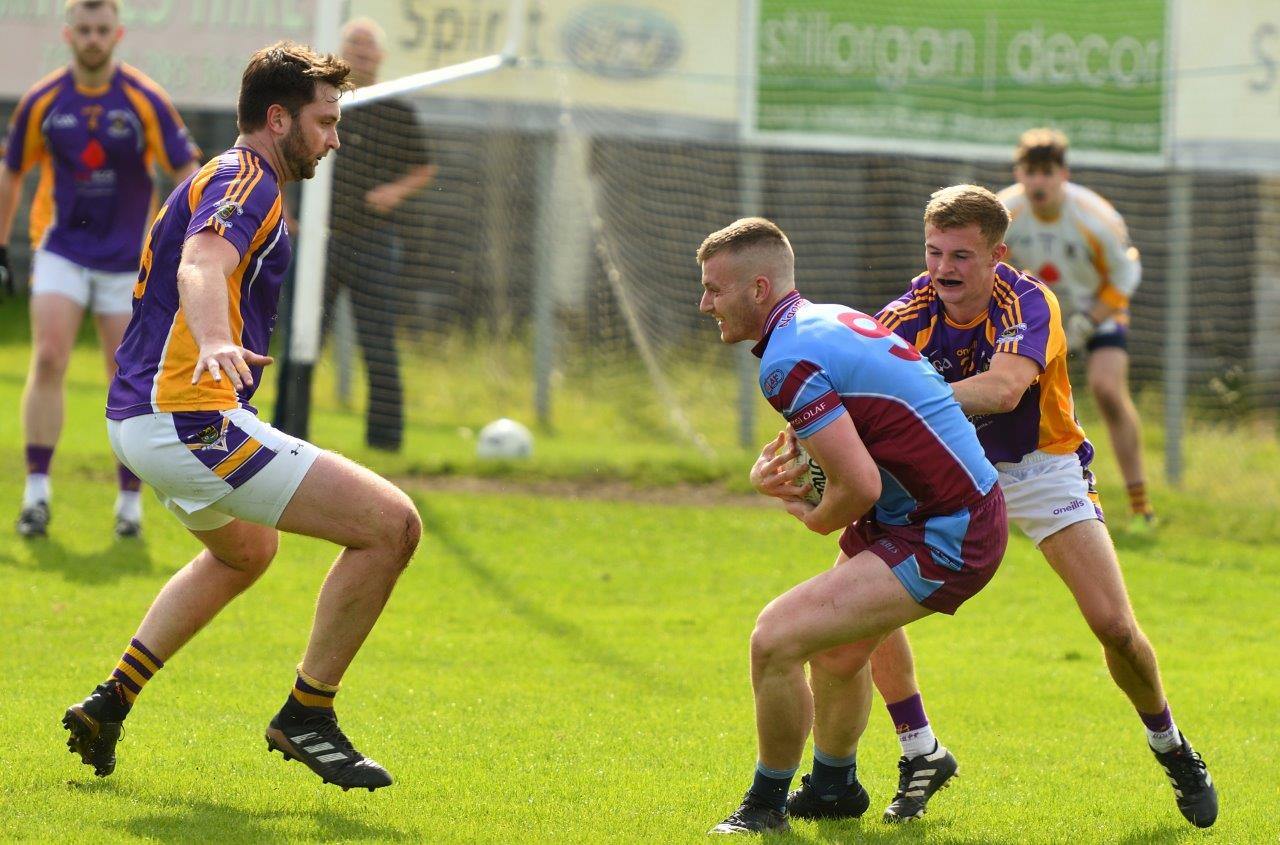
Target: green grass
575,671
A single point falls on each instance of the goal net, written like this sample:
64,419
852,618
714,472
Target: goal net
547,272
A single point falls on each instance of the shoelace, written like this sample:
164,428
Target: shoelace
327,729
1189,765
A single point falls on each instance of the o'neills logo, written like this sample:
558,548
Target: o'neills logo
1076,504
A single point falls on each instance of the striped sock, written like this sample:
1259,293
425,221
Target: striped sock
137,666
309,692
1138,502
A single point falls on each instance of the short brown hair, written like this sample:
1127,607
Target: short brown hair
964,205
744,234
285,74
1041,149
72,5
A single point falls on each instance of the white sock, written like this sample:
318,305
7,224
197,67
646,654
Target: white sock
917,742
37,489
129,505
1164,741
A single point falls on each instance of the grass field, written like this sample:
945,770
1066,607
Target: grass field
574,670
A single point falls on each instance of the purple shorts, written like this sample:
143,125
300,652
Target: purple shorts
942,560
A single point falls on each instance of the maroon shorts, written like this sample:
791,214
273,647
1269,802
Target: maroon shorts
942,560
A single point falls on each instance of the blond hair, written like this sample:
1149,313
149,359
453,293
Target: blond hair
1041,149
72,5
749,233
965,205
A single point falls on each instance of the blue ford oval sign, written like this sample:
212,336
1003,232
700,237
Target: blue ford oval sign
621,42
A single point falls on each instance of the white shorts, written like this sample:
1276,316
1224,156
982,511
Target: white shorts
209,467
105,293
1045,493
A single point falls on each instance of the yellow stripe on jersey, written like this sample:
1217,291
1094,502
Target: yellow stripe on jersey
43,206
232,462
1060,434
146,83
150,125
195,191
33,148
173,390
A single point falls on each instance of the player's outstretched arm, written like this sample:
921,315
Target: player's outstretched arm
1000,388
207,262
853,479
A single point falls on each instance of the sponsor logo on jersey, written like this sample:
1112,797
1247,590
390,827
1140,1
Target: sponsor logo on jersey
227,210
122,124
773,381
1013,334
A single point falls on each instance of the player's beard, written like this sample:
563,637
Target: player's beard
296,155
93,62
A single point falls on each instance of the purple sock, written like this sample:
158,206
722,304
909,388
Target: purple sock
908,714
1157,722
128,481
38,459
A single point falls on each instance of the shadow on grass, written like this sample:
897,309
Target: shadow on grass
871,829
124,557
599,654
184,820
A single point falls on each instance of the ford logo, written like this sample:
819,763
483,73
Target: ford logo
621,42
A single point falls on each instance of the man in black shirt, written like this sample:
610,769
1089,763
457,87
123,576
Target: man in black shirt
384,161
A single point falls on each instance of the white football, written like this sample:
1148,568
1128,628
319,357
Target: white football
504,438
815,475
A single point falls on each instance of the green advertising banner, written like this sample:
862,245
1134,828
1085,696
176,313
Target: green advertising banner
939,72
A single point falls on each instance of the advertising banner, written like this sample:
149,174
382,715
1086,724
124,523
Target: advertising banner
665,56
195,49
935,73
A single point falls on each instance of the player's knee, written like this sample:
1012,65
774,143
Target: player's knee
1109,393
49,362
399,528
772,642
1117,631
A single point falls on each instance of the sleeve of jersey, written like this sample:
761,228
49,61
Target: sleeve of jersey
802,392
178,149
234,204
1030,326
18,155
1122,260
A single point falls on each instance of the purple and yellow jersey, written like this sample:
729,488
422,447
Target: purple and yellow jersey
818,362
235,196
1083,254
1023,319
95,149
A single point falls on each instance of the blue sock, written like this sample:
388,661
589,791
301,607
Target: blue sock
832,776
771,785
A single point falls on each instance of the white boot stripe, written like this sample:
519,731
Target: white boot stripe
328,758
320,746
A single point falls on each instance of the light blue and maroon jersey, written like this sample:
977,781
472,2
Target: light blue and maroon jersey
1023,319
235,196
95,149
818,362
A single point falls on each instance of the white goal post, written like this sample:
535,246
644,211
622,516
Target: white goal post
303,347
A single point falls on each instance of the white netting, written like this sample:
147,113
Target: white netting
549,268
